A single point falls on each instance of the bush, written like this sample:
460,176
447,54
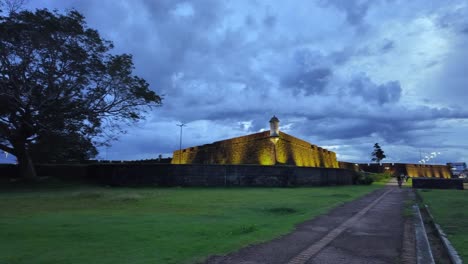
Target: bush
381,177
364,179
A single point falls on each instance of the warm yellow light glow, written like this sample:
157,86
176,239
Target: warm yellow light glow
261,149
439,171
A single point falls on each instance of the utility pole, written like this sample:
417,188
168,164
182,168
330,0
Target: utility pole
180,142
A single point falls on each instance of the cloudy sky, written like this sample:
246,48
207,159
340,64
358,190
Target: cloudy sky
340,74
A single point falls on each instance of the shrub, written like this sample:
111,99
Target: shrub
381,177
364,179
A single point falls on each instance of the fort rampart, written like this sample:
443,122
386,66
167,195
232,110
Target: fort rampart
131,174
412,170
261,149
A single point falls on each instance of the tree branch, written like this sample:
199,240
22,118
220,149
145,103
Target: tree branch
7,149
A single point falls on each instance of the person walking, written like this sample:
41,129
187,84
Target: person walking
400,179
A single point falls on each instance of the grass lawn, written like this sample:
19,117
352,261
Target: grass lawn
84,224
380,178
450,210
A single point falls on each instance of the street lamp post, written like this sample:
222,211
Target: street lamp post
180,142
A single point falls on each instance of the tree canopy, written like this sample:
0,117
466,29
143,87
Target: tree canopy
378,154
61,88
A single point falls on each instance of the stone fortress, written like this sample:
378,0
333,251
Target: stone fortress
271,158
278,148
264,148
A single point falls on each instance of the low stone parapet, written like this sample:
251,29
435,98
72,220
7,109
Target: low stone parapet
437,183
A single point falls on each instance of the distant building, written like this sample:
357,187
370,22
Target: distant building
264,148
457,168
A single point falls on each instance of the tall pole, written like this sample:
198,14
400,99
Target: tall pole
180,142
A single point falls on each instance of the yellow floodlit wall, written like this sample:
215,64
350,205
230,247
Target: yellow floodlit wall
412,170
437,171
260,149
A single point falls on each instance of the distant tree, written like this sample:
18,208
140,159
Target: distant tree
378,153
12,5
61,89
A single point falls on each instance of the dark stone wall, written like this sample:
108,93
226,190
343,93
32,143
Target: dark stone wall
225,175
260,149
349,166
130,174
437,183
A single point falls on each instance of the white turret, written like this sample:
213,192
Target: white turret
274,127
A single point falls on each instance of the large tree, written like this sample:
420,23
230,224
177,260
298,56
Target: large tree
378,154
61,88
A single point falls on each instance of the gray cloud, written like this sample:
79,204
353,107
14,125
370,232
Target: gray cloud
355,10
307,73
250,21
388,45
455,18
362,86
269,21
465,30
312,81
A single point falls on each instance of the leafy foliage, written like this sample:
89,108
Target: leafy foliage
61,87
73,147
378,153
364,179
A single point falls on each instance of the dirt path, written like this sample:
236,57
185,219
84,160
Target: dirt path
367,230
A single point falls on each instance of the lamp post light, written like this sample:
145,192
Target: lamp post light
181,125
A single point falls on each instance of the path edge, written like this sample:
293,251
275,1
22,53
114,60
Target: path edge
452,252
423,249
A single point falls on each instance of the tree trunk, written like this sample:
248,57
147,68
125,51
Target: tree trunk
26,166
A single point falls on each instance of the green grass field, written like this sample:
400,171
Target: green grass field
380,178
450,210
152,225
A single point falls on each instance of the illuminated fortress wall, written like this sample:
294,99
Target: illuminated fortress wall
438,171
412,170
293,151
261,149
251,149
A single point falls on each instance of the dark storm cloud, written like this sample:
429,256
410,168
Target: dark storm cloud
465,29
396,124
388,45
310,81
164,40
269,21
362,86
455,19
356,51
250,21
352,129
306,73
355,10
